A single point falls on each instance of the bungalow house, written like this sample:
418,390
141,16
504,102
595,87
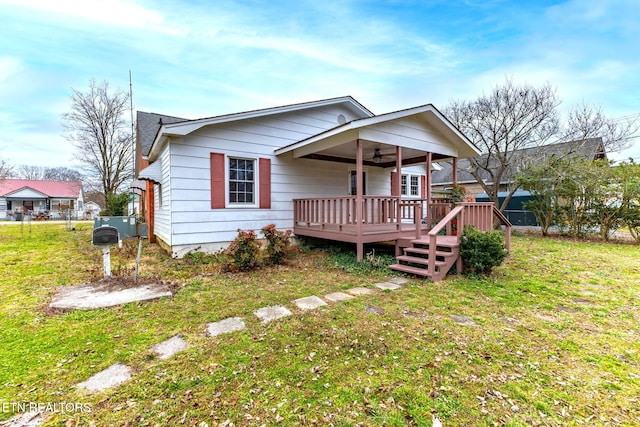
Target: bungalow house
41,199
330,169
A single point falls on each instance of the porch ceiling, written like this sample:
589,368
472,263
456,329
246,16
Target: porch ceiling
417,131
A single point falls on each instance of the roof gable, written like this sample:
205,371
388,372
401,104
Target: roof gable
61,189
184,127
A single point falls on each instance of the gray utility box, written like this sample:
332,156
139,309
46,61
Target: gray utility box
126,225
105,235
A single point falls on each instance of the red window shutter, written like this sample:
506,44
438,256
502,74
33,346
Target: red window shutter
423,186
217,181
265,183
394,184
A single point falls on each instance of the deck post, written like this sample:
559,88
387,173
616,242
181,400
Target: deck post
427,190
455,170
359,199
398,189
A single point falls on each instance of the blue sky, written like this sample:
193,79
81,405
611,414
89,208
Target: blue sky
201,58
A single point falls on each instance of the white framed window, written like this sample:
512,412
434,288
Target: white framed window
410,185
242,181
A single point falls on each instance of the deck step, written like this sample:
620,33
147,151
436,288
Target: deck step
442,241
409,269
425,251
418,260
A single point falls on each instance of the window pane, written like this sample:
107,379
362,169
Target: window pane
241,180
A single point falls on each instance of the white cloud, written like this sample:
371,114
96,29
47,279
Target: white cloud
113,12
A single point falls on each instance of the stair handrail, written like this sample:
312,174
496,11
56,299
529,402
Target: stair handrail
433,234
507,234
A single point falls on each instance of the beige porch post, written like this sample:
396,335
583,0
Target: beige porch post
455,170
359,199
427,190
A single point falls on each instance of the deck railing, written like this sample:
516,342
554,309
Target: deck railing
340,211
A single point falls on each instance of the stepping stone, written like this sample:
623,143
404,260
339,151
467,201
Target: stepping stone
463,320
361,291
112,376
338,296
230,324
387,286
400,280
309,303
168,348
267,314
374,309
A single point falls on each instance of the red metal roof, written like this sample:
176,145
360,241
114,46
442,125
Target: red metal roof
67,189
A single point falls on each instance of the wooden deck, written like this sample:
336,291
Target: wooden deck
418,227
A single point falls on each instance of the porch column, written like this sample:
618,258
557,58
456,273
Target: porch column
398,170
359,199
398,189
455,170
427,189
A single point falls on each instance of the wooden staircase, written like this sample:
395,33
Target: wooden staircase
415,258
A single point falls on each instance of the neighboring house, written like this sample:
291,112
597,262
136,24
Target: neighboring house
45,199
92,210
328,168
592,149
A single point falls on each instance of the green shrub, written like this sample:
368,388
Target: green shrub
481,251
278,243
244,251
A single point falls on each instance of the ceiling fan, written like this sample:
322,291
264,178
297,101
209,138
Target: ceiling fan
378,156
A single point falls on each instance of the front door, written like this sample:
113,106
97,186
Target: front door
352,183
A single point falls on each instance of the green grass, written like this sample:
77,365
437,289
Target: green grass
557,341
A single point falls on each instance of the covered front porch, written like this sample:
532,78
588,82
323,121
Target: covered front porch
393,209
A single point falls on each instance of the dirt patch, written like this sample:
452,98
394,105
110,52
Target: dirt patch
109,292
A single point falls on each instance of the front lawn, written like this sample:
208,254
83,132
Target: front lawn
555,340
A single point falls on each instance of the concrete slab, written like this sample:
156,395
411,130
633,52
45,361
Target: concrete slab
400,280
225,326
274,312
112,376
309,303
361,291
387,286
168,348
90,296
338,296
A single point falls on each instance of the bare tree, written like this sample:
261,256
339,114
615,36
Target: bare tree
50,174
502,124
587,121
97,128
30,172
62,173
6,170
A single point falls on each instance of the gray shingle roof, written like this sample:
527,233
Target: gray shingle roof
592,149
148,125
